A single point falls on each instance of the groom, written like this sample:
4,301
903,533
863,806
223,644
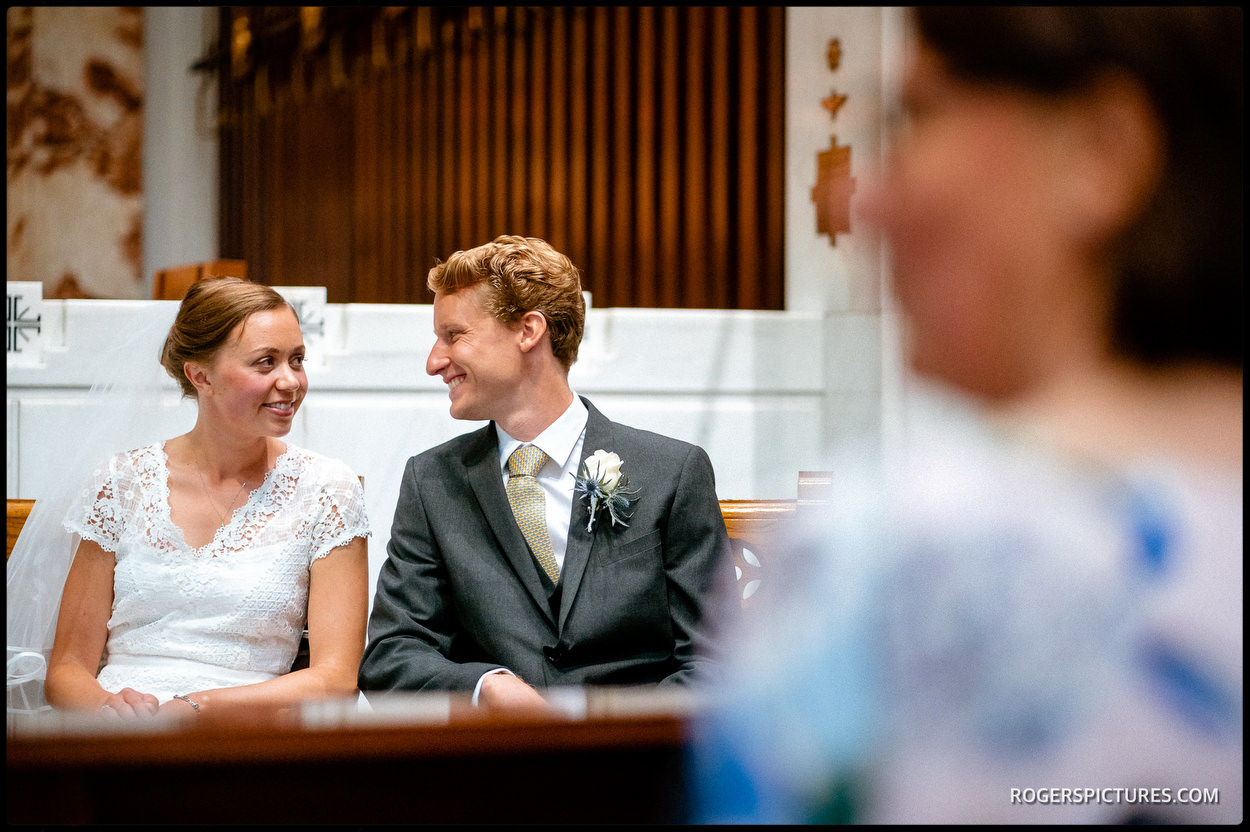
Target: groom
553,546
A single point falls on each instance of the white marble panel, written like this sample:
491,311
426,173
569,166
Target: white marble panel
49,437
314,321
83,328
851,420
12,422
375,437
680,350
370,328
852,353
757,444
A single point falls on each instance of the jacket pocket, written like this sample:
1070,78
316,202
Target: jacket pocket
649,542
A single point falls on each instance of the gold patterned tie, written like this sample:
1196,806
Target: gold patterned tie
529,505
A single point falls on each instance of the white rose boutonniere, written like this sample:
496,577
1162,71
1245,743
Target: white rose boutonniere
601,481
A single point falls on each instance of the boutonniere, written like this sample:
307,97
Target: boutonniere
604,486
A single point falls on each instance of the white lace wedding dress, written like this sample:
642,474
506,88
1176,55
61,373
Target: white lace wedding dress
231,612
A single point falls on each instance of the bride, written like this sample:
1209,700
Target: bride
200,559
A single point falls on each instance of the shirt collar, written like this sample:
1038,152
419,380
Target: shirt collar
557,441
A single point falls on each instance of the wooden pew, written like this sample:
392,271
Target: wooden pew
172,283
755,527
19,510
758,528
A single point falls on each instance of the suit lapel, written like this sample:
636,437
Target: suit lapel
486,479
577,554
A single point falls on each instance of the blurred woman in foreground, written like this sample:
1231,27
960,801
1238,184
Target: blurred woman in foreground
1034,612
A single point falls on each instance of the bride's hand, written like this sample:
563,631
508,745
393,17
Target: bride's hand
128,703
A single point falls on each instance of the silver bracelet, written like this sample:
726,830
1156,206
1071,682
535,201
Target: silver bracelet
189,701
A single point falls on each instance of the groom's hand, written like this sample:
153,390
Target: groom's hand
503,691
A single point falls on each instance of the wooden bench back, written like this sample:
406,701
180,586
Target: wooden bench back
172,283
756,528
19,510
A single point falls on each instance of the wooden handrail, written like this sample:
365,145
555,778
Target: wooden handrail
755,527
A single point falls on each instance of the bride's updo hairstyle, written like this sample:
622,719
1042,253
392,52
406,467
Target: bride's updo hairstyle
208,315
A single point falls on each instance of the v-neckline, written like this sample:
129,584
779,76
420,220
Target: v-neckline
235,515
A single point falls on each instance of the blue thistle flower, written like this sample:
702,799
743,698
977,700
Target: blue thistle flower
618,499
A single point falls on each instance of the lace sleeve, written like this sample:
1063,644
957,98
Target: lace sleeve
341,515
97,515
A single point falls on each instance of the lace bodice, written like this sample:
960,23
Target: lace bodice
230,612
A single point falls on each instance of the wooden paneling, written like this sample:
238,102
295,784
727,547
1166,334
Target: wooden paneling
646,143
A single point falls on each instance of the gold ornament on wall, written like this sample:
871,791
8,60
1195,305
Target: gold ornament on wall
834,183
833,103
833,54
311,28
833,190
240,46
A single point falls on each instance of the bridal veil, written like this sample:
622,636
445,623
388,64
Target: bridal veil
132,402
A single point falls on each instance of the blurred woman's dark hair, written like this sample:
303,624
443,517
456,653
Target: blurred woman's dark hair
1179,290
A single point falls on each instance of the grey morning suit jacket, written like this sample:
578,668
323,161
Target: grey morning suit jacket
460,593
